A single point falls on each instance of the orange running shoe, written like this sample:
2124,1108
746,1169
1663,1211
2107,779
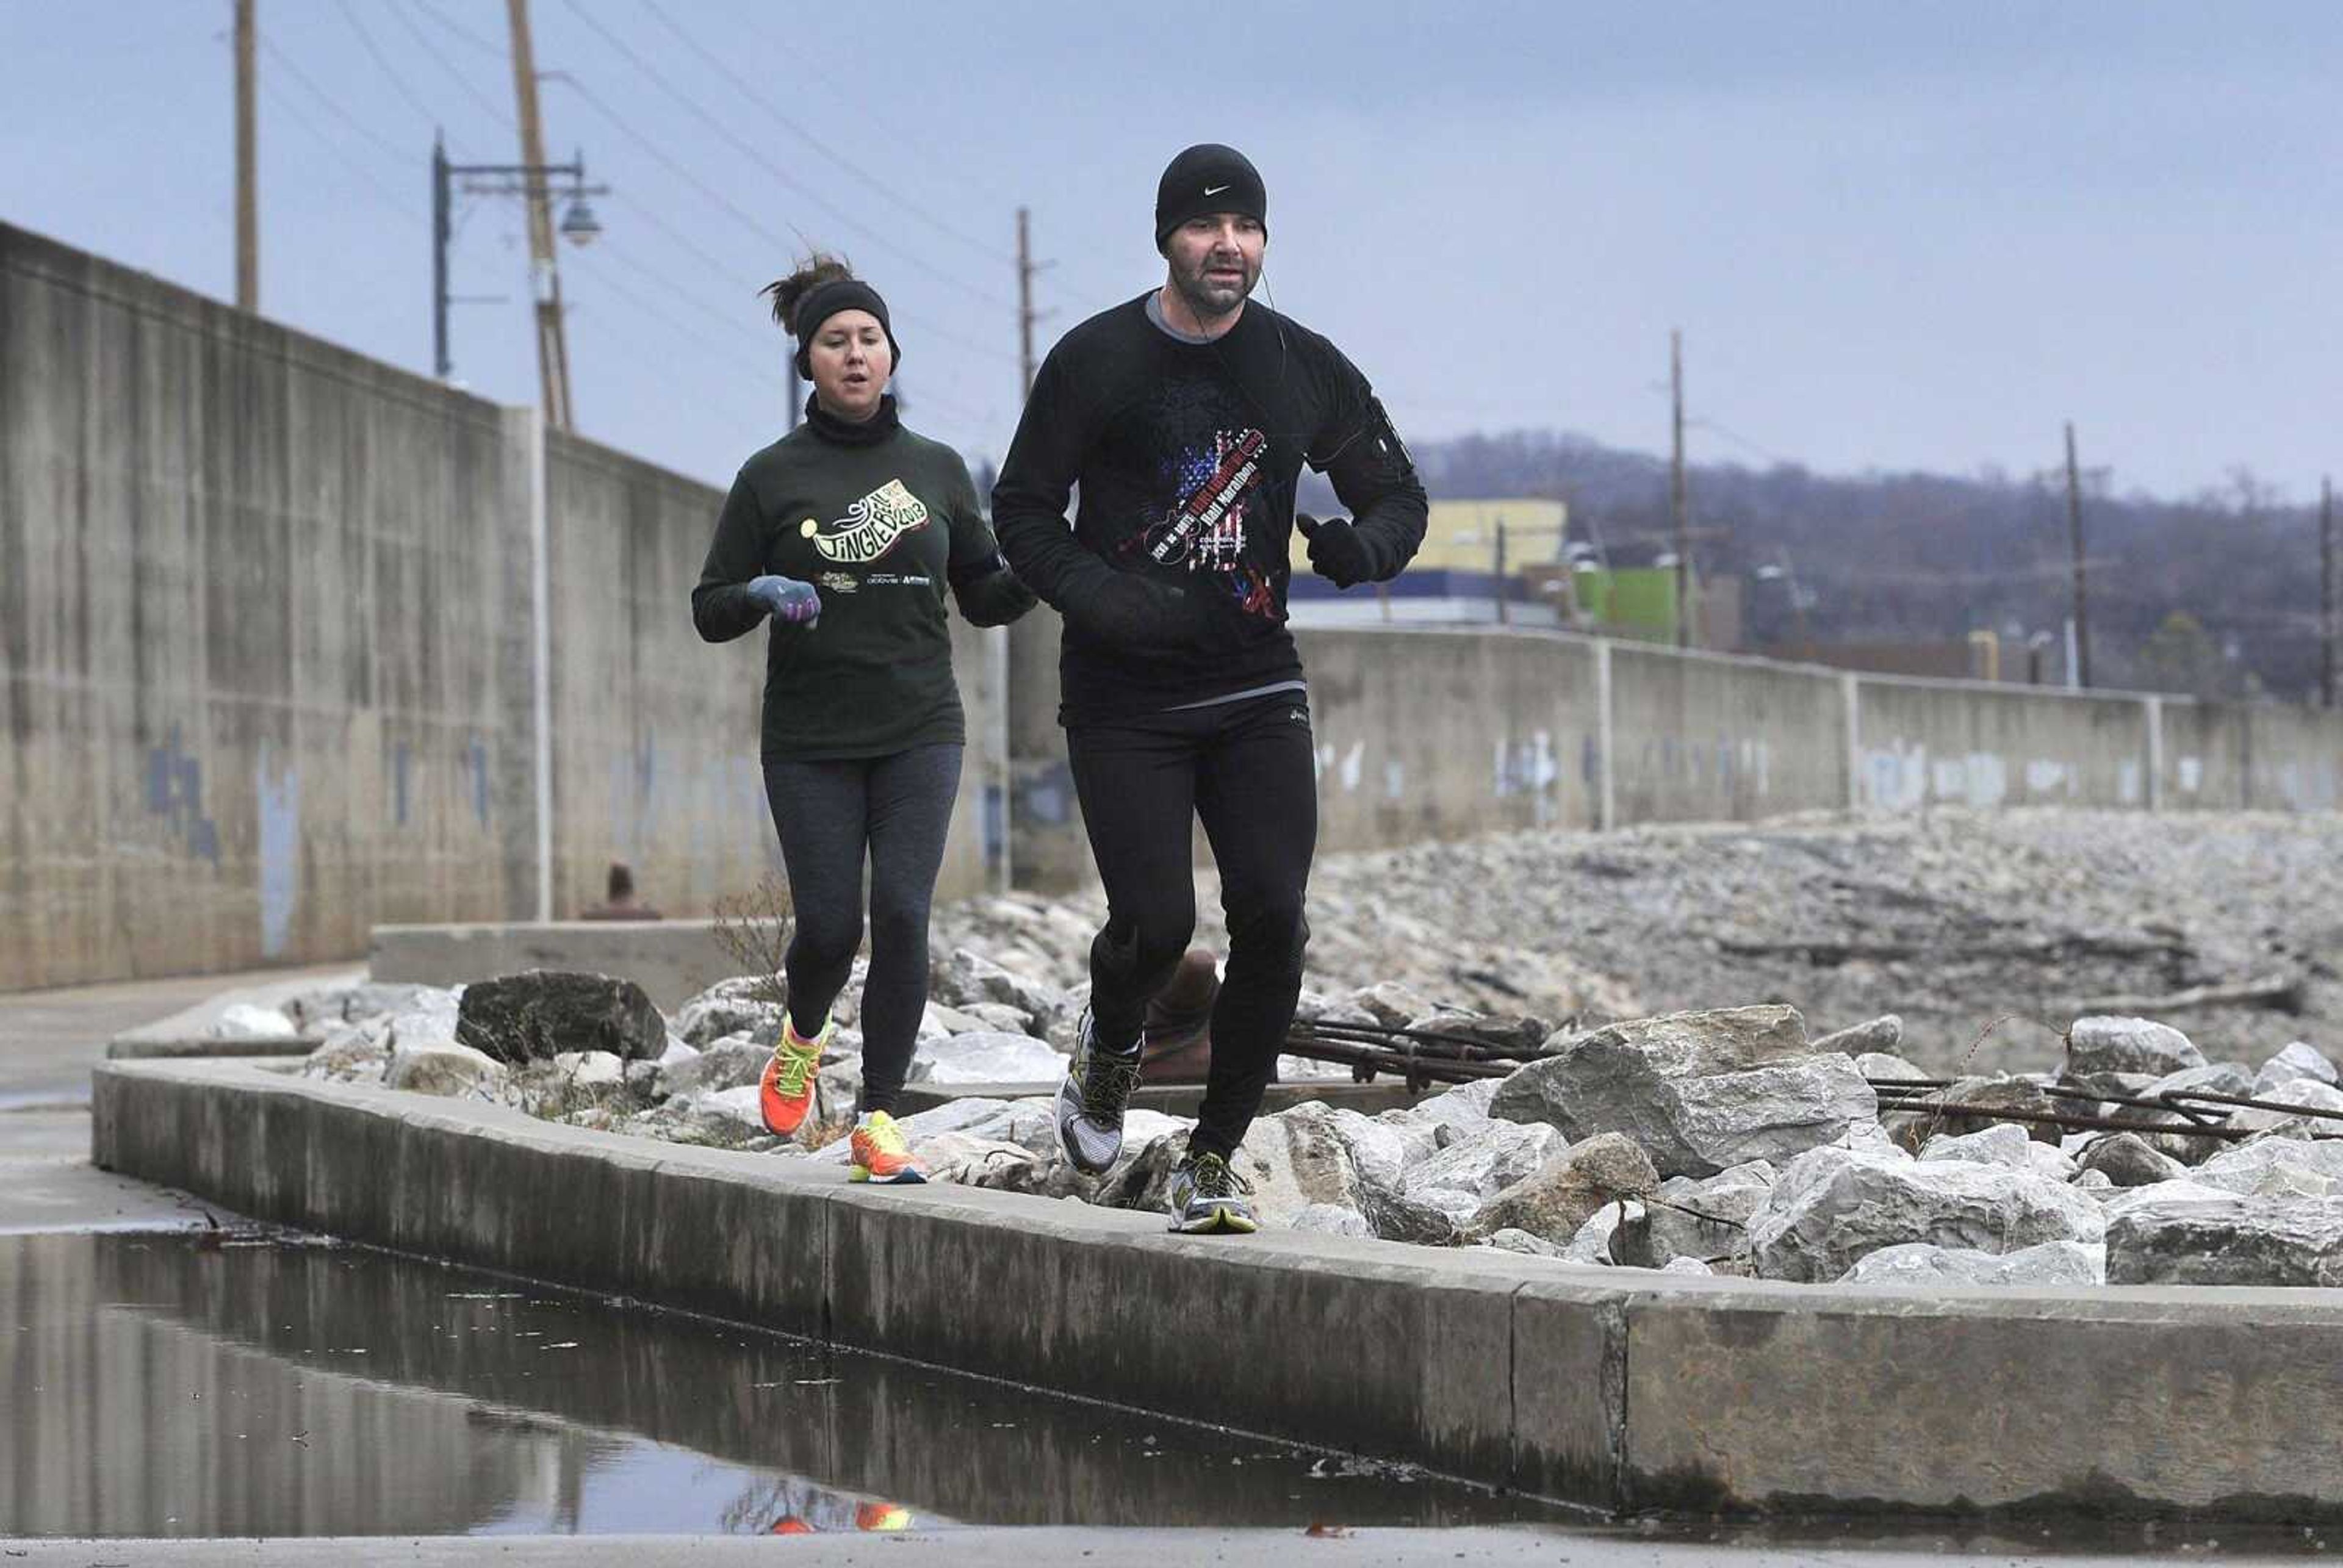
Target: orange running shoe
881,1154
790,1524
785,1092
881,1516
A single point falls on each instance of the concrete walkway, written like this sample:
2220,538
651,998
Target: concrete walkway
49,1040
1093,1549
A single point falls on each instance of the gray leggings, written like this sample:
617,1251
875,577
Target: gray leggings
894,811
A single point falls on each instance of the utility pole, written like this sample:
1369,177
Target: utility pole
2327,628
441,366
1027,316
552,346
1677,505
247,172
2082,663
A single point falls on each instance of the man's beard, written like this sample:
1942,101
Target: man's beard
1210,301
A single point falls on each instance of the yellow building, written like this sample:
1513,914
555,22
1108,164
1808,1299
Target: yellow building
1460,536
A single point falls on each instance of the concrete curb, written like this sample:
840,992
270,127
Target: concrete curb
1624,1391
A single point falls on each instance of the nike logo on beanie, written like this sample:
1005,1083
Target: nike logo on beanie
1214,190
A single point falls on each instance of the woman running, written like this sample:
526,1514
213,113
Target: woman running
845,532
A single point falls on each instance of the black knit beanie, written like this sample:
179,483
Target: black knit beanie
827,300
1208,178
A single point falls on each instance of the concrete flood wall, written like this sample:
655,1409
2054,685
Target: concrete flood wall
270,651
1622,1390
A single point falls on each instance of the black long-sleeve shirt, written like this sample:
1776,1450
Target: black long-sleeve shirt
878,521
1172,577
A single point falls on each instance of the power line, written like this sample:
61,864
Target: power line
745,218
390,73
284,102
749,91
471,92
496,51
700,112
298,75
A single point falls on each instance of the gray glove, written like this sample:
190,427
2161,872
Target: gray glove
787,598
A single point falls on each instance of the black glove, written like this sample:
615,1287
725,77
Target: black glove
1129,610
1336,551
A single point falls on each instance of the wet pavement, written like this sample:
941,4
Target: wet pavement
165,1385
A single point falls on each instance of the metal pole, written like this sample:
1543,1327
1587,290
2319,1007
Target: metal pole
1024,307
441,366
1676,501
247,171
1505,611
2326,629
2082,627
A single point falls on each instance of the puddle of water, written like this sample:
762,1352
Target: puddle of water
163,1386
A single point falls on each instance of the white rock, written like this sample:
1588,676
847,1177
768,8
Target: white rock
1919,1263
2002,1144
1592,1242
1686,1266
2276,1168
745,1004
1832,1208
2102,1043
2299,1059
1468,1172
992,1058
1522,1242
591,1069
448,1069
1699,1092
244,1020
2304,1091
431,1021
2185,1233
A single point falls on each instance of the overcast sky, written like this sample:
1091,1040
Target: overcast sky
1895,234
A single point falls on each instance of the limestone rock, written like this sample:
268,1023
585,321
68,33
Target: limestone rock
445,1070
2052,1263
1471,1171
727,1063
2127,1159
534,1016
1515,1033
751,1005
1591,1242
991,1058
1701,1091
2103,1043
2276,1168
1832,1208
1522,1242
1554,1200
2304,1091
2004,1143
1881,1036
1882,1064
1390,1003
1686,1266
965,979
1694,1220
590,1069
244,1020
2299,1059
2200,1237
350,1055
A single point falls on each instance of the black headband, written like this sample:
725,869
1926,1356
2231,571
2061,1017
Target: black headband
826,300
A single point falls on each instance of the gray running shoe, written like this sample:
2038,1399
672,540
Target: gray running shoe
1207,1197
1092,1100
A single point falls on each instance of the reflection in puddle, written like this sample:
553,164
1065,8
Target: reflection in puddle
157,1386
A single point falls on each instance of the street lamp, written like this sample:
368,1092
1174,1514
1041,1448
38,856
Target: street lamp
578,225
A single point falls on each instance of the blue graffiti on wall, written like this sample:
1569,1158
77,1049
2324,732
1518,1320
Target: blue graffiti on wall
174,791
279,799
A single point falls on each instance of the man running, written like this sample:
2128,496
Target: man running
1185,415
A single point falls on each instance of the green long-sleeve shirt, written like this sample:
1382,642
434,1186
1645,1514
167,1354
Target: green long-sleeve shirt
879,521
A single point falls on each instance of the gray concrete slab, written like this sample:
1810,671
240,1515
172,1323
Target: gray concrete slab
1618,1389
1091,1548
